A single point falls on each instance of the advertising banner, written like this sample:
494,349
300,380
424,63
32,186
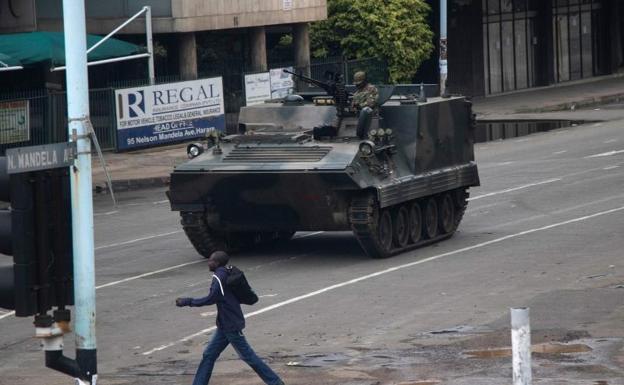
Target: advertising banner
152,115
14,121
282,84
257,88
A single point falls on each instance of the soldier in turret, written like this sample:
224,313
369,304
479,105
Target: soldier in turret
366,94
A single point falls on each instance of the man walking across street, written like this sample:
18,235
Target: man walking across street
230,325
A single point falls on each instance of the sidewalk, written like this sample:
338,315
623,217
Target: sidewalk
151,167
138,169
563,97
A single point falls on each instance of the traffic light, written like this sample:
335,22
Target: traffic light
35,228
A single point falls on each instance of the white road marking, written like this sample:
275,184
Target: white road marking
208,313
149,274
137,240
560,152
514,189
611,167
7,315
610,141
308,235
160,202
106,213
389,270
608,153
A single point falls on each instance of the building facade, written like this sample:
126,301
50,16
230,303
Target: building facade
176,24
497,46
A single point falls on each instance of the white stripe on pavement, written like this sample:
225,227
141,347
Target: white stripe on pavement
514,189
389,270
149,274
608,153
137,240
7,315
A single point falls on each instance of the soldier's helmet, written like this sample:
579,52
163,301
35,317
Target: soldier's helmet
359,78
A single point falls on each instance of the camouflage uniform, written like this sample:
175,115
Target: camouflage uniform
366,94
366,97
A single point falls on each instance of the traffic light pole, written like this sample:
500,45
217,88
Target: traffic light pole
81,185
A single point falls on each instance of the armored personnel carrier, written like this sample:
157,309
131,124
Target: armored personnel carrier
397,176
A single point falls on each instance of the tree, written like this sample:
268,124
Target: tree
394,31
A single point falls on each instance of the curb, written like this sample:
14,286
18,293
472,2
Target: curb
588,102
132,184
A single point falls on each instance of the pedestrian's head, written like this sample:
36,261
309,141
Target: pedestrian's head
218,259
359,79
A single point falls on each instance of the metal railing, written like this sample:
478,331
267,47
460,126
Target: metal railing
47,109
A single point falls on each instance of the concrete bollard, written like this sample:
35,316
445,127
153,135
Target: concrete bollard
521,346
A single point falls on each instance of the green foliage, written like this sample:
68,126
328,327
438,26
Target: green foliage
285,40
395,31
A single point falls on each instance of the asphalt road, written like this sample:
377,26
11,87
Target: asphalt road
544,231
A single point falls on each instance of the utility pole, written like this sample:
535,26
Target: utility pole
443,47
81,185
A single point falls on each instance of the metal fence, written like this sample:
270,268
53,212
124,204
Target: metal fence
37,117
44,112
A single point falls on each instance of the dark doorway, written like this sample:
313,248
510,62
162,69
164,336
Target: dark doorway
509,40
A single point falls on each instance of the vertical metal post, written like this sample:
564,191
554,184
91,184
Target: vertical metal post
521,346
443,47
150,44
81,197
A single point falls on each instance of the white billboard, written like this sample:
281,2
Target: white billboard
257,88
170,112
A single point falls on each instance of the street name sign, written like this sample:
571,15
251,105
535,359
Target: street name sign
34,158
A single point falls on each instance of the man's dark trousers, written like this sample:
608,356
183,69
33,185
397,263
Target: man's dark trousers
219,342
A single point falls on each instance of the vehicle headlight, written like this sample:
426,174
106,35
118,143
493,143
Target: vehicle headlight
367,149
388,131
194,150
372,132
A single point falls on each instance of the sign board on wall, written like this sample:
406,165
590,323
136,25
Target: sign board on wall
257,88
282,83
14,121
164,113
287,5
262,86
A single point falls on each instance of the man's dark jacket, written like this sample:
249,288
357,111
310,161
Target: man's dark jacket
229,314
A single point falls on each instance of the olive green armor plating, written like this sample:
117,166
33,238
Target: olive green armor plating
397,177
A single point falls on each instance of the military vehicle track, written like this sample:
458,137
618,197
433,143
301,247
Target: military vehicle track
206,240
408,225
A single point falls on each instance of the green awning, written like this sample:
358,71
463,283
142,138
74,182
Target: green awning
49,47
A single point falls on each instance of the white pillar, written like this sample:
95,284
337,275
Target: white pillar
521,346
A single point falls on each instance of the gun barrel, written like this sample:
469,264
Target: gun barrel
306,79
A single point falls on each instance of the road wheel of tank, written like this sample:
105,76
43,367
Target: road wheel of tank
446,214
371,226
401,227
415,223
461,202
205,240
431,218
384,232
